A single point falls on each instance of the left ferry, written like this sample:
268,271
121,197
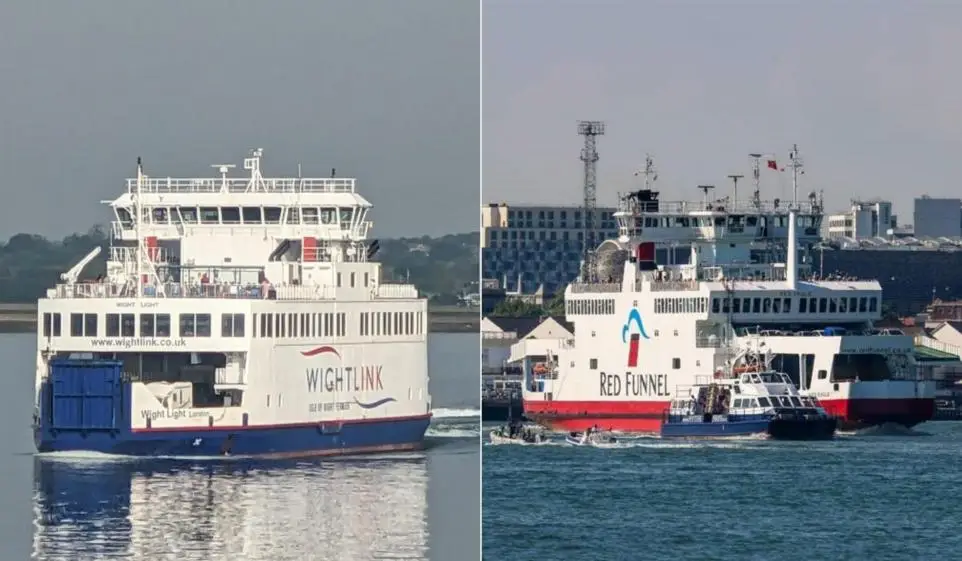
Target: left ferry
237,316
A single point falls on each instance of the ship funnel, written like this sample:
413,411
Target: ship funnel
791,264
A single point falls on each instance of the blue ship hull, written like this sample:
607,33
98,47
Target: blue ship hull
787,428
694,429
283,441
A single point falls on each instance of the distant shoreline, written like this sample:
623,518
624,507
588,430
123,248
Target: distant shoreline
22,318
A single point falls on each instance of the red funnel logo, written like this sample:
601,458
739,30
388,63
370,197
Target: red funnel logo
634,319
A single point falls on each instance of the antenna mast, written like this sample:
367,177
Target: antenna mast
735,179
591,130
706,189
649,172
139,214
796,163
756,178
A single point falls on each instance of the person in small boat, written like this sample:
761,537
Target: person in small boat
514,428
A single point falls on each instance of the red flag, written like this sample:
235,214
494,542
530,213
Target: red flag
772,165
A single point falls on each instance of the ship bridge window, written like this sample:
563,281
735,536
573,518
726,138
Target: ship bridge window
232,325
125,220
251,214
272,215
822,305
803,306
83,325
194,325
767,305
756,305
862,304
293,216
737,306
843,305
872,304
160,216
852,304
188,215
51,325
230,215
346,215
832,305
328,215
309,215
209,215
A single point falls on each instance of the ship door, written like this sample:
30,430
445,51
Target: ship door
84,395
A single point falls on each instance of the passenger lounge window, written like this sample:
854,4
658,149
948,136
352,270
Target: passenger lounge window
51,325
83,325
128,325
195,325
232,325
121,325
113,325
155,325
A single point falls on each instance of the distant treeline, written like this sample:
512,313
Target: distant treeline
442,267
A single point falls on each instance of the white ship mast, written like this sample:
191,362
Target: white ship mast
139,219
796,164
651,175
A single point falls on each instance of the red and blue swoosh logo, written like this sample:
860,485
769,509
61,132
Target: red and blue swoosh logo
321,350
325,349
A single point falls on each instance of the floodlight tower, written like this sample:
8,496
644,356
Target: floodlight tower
591,130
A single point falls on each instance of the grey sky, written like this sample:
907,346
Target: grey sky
869,91
384,90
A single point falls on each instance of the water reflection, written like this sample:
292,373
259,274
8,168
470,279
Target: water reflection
344,509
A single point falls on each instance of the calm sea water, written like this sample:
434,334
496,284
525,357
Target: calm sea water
411,506
873,496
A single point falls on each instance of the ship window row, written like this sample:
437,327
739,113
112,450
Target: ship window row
141,325
242,215
590,306
303,325
291,325
681,305
830,305
391,323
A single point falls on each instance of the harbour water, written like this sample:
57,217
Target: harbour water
878,494
420,505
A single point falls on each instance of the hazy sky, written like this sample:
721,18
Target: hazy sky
384,90
869,90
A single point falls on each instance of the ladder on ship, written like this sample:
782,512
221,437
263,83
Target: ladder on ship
710,403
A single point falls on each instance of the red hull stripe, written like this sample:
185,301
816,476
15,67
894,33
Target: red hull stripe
646,416
236,428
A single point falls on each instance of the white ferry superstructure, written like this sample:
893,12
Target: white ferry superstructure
241,316
689,286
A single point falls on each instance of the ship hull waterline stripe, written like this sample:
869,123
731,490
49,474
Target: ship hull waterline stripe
319,439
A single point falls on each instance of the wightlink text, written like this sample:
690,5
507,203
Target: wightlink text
344,378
